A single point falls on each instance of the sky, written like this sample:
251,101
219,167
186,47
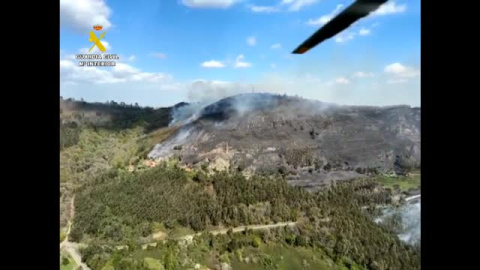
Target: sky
202,50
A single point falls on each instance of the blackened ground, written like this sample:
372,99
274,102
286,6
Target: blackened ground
264,132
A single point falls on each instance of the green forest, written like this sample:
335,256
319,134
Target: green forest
117,206
123,207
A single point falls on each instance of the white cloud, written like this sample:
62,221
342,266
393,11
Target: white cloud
95,49
325,18
82,15
68,56
398,70
400,74
264,9
132,58
276,46
389,8
251,41
97,84
239,63
284,5
209,3
364,32
344,37
397,81
395,68
361,74
342,80
337,90
296,5
159,55
161,89
152,77
70,72
122,70
213,64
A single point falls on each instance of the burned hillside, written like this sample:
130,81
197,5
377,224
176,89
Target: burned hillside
311,142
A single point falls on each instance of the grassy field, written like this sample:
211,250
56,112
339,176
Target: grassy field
63,234
405,183
154,264
161,134
284,258
267,256
153,254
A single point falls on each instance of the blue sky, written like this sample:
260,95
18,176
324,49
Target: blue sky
191,50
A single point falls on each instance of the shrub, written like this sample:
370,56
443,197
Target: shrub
204,167
256,241
65,260
239,254
224,258
300,240
63,235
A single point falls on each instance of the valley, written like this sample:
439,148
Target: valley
143,190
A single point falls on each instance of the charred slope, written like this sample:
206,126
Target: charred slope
258,132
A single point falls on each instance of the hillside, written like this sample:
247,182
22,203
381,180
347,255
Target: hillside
96,137
236,162
314,141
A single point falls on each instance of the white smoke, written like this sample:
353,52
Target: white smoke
185,114
201,93
206,92
410,220
165,149
411,223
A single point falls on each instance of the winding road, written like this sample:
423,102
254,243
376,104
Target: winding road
73,248
189,238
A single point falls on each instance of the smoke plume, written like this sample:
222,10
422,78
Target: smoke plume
409,216
201,93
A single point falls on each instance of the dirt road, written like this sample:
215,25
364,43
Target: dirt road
189,238
253,227
70,247
413,197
